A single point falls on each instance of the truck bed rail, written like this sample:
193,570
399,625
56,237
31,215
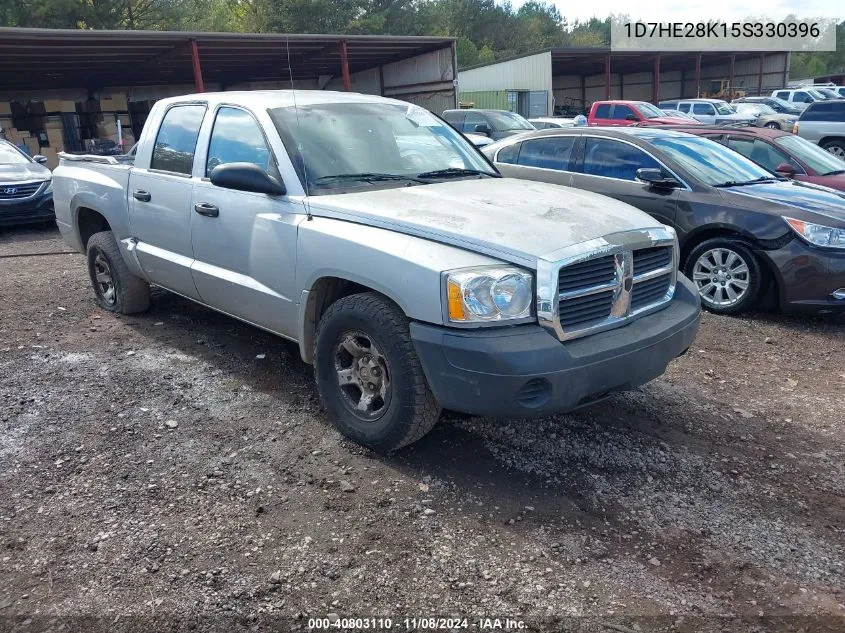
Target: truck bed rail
95,158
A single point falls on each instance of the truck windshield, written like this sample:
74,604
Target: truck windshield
709,162
723,108
351,145
649,111
506,121
11,156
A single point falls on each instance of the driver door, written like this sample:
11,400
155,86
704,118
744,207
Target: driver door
244,243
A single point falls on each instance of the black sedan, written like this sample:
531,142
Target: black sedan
26,192
740,227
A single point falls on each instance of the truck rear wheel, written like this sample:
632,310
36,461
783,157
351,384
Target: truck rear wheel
115,287
368,374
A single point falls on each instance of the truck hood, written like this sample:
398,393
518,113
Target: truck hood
22,172
519,221
800,200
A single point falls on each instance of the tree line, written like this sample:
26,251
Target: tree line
486,30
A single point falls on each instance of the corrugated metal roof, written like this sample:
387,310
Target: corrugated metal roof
58,58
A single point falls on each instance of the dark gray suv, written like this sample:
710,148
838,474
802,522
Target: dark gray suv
497,124
740,227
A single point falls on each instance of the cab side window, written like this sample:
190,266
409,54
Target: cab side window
237,138
703,108
473,119
622,112
614,159
176,141
603,111
784,94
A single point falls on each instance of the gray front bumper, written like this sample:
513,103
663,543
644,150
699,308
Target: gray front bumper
523,370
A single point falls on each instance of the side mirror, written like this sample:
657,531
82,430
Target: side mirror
483,128
38,158
785,169
246,177
630,117
656,178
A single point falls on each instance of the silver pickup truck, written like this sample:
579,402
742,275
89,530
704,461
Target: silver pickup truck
411,274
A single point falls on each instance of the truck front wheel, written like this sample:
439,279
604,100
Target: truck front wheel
115,287
368,374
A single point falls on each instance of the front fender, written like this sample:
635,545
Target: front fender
404,268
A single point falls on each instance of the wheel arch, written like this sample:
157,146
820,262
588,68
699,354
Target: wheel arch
325,291
88,222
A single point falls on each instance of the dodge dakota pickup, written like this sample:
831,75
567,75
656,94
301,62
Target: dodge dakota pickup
410,273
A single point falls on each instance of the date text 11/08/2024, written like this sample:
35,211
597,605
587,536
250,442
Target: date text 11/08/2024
416,624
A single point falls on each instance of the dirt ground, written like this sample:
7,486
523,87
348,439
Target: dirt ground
174,471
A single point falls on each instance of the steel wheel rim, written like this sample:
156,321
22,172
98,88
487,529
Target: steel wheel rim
363,375
722,276
103,280
837,151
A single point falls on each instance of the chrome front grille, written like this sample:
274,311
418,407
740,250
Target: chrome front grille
604,283
18,191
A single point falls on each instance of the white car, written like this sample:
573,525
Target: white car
709,111
547,122
800,98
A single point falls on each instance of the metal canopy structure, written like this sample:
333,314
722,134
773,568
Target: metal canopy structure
45,59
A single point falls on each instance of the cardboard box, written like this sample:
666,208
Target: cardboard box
52,155
124,120
53,123
113,103
58,105
5,107
55,138
33,146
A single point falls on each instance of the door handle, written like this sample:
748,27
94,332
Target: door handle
143,196
207,209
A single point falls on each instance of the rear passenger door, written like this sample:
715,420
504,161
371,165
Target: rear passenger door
160,201
547,159
244,242
609,167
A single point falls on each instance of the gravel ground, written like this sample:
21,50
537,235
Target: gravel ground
174,471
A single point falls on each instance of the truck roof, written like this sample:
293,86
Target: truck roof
279,98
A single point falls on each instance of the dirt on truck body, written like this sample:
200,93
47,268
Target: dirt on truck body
175,471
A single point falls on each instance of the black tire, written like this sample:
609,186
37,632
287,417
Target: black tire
713,250
129,294
408,409
836,147
772,125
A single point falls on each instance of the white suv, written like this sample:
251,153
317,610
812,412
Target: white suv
708,111
799,98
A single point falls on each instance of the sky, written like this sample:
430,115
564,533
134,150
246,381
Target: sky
686,10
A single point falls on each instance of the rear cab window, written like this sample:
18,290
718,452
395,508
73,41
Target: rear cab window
176,141
602,111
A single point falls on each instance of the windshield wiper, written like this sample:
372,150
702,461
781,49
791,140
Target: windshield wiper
367,177
740,183
835,172
455,172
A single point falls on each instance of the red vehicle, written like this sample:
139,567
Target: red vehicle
616,113
780,152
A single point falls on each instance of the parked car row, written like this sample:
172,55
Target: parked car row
740,226
415,278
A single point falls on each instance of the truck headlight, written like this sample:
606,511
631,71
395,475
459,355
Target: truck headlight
489,293
818,234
